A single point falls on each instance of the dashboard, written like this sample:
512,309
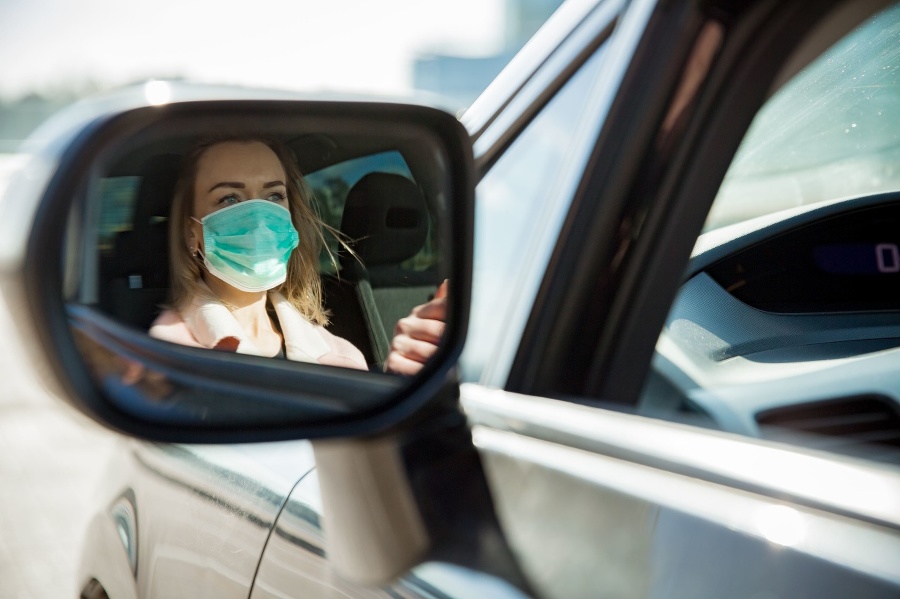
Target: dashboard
844,263
789,329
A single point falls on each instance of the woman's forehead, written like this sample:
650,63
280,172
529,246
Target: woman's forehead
239,161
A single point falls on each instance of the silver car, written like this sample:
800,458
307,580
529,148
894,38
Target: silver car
670,364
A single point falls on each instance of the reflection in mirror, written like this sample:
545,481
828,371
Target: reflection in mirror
326,247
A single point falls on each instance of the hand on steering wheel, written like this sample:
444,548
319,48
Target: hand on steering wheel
416,336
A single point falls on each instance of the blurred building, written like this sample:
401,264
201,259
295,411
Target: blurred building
458,80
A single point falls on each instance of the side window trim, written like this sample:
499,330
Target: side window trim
862,491
504,127
538,174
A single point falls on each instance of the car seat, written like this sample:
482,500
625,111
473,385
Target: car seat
141,282
386,221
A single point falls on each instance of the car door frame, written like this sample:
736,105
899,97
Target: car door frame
659,159
608,287
492,413
600,503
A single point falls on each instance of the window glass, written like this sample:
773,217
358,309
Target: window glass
330,187
789,326
118,196
332,184
520,205
832,132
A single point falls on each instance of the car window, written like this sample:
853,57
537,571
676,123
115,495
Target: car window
118,197
832,132
520,205
127,218
788,324
330,187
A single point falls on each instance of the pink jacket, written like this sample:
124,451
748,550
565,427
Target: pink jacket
206,322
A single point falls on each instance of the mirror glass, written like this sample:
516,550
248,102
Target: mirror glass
279,238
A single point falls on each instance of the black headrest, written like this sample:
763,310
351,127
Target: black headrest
157,186
385,216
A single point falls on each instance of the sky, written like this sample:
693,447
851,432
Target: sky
306,45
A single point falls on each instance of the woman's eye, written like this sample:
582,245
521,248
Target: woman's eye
229,200
276,197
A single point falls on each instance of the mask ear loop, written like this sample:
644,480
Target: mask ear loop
195,252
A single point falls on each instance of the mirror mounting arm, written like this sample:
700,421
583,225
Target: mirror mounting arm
414,495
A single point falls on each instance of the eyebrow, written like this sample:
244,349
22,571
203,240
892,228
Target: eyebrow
238,185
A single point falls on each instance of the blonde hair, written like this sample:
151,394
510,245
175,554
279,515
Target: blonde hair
303,286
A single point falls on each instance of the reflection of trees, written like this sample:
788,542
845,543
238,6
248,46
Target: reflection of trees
118,197
331,195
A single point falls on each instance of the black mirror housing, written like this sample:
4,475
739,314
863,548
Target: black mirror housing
108,368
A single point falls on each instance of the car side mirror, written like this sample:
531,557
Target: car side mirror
89,264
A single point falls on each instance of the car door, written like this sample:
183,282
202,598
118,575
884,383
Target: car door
622,130
539,169
592,194
594,499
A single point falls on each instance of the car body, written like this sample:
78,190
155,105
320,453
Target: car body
598,154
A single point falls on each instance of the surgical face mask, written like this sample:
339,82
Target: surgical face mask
248,245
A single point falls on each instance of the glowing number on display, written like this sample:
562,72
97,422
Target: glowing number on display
888,257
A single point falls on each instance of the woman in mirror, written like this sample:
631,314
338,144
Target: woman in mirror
244,246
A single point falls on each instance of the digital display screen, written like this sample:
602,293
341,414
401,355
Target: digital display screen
844,263
858,258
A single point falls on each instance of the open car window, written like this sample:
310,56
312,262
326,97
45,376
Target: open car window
331,185
118,197
787,326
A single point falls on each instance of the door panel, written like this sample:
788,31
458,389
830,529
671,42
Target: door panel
590,515
295,564
204,513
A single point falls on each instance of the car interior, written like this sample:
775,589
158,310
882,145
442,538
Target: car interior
787,324
792,333
379,198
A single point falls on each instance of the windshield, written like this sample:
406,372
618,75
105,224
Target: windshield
832,132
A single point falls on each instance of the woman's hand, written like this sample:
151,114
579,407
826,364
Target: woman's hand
416,337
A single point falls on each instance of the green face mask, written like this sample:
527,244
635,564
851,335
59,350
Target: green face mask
248,244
